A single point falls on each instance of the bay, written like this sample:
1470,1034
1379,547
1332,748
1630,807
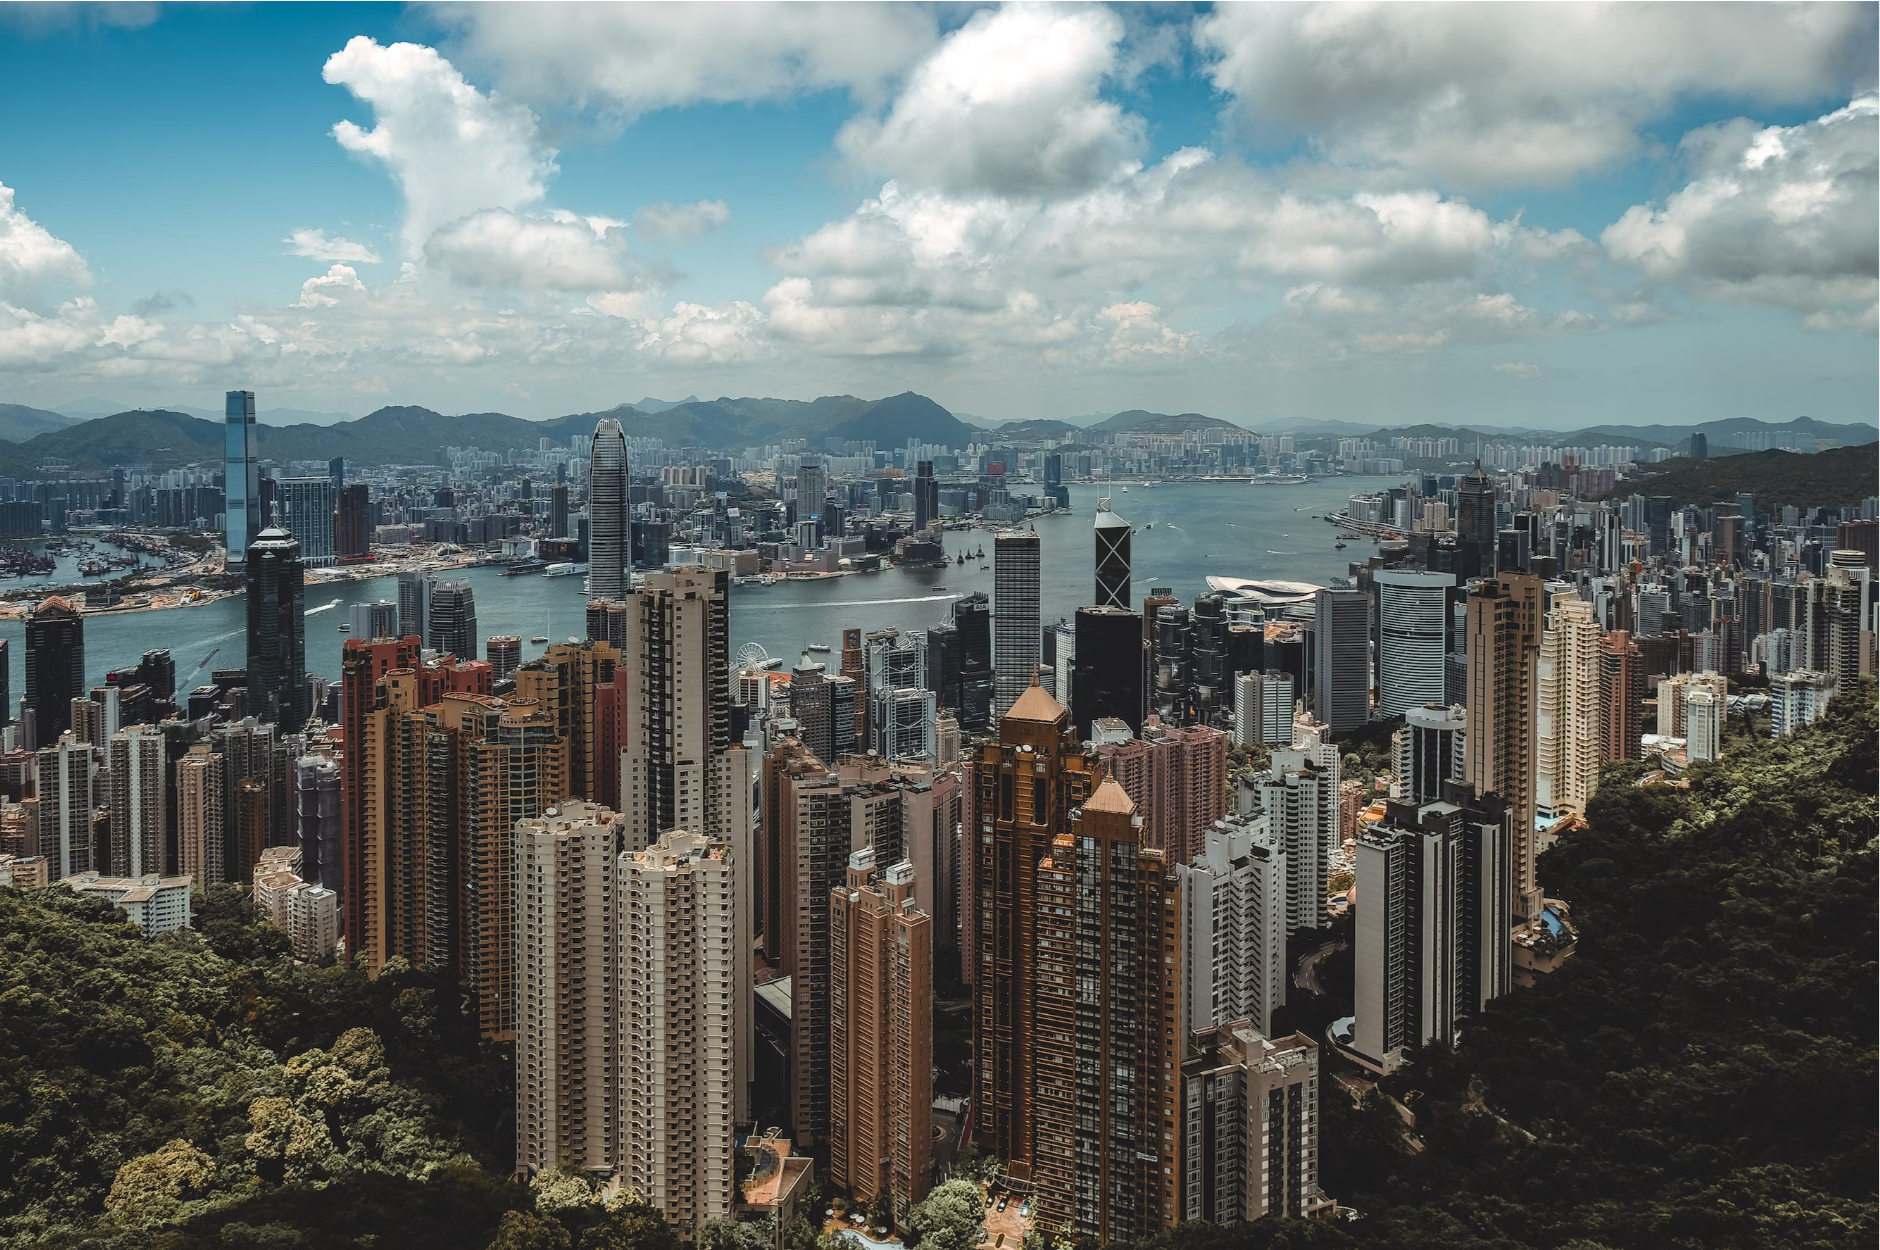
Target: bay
1185,532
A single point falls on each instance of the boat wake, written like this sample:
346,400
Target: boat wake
323,607
859,603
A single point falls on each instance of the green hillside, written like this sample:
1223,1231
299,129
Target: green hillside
1834,478
19,422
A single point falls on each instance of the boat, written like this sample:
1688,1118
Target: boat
938,590
523,568
1125,490
345,629
1275,479
984,567
564,569
1339,546
539,638
817,646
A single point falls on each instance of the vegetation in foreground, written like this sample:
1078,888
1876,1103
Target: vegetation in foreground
1701,1074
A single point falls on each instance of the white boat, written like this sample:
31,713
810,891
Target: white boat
564,569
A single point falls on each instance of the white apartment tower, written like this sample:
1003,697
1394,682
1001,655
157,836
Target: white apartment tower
1299,795
1263,708
1234,921
1567,718
567,1053
683,1011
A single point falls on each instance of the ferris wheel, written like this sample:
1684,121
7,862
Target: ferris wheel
753,655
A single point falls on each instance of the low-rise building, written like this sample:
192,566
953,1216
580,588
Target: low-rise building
154,904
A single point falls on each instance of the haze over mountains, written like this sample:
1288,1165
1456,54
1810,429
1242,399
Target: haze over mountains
180,435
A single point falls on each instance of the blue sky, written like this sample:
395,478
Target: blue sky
1517,214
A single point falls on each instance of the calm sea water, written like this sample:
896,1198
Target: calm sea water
1200,529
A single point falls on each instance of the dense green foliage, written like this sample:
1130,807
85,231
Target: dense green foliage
1700,1074
204,1090
1833,478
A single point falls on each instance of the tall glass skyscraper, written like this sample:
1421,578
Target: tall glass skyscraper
1016,644
241,476
277,631
1112,558
607,512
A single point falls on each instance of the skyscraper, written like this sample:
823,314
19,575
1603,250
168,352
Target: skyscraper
414,604
1430,750
558,510
881,1034
812,484
972,619
926,496
1621,697
1504,656
352,522
66,789
1412,628
453,620
139,782
373,620
1107,668
1567,719
1263,708
277,630
1177,777
1252,1125
684,1001
1432,935
307,507
1703,729
1299,795
1024,788
201,819
241,476
1475,511
608,522
568,1016
1109,1020
363,664
1341,640
504,652
1015,616
1113,569
55,669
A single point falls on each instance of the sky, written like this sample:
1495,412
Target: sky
1517,214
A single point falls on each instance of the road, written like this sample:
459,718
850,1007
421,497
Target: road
1306,977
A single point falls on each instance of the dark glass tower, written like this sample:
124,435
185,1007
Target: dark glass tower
1112,558
1106,676
55,669
277,638
972,617
453,620
608,539
241,476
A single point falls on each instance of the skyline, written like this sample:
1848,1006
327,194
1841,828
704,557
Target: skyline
1543,218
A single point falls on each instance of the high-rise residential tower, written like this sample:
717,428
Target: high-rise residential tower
1113,570
139,785
685,999
1251,1126
1412,628
568,1016
1234,925
277,630
241,476
1621,697
1505,618
307,506
1016,643
880,1034
1567,720
1429,751
609,533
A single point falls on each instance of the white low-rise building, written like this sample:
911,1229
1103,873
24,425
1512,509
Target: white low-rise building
154,904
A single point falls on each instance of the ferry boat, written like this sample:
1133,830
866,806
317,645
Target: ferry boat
523,568
564,569
1275,479
539,638
345,629
817,646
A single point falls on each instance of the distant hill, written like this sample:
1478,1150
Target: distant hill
1035,429
649,404
1137,421
269,416
1833,478
1718,432
897,419
163,440
19,423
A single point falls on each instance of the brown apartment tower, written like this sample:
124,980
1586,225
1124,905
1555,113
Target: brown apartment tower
880,1034
1108,1030
1621,697
1504,646
1024,787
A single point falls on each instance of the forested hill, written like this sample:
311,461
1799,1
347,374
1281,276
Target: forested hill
1833,478
1700,1074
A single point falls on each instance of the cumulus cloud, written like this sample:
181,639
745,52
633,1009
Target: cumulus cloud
678,222
500,248
452,149
1499,95
1778,215
1008,105
314,245
32,257
320,292
633,58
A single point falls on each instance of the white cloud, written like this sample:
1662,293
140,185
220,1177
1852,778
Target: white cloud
1513,94
1008,105
318,293
634,58
500,248
452,149
314,245
32,257
1774,215
680,222
1518,369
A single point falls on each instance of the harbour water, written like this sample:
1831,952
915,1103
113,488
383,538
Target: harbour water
1185,532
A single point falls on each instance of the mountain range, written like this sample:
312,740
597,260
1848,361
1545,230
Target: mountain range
170,437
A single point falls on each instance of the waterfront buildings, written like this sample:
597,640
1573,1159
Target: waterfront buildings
352,522
609,523
567,1014
880,1034
452,620
1016,643
414,605
682,1011
277,631
55,670
307,509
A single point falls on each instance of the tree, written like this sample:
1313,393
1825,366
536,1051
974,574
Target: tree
950,1217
